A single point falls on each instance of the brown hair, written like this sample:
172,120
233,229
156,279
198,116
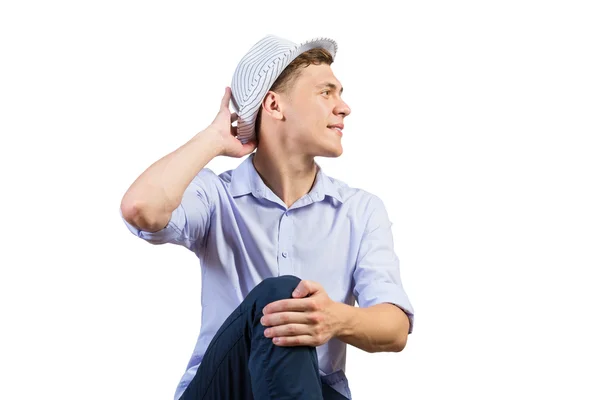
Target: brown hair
285,81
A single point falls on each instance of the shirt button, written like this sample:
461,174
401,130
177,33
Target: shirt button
284,254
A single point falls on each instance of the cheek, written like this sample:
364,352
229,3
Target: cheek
320,114
310,117
307,116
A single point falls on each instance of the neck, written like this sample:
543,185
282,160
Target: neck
289,176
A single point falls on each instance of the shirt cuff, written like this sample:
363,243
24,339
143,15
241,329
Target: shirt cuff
166,235
385,292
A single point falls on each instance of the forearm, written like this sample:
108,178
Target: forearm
379,328
151,199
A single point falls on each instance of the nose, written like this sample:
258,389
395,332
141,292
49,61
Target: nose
343,108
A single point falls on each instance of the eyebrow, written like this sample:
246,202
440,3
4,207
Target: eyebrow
330,85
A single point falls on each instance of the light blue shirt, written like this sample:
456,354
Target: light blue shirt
243,233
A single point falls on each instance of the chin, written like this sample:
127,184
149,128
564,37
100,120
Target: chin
331,152
326,146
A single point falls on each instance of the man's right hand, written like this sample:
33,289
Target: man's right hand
226,132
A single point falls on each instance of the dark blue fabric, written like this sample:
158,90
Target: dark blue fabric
240,363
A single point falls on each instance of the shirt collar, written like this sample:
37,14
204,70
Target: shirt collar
245,179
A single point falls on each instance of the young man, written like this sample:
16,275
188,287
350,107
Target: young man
284,249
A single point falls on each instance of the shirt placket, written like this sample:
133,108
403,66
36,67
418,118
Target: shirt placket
284,253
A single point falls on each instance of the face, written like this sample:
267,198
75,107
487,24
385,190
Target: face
310,110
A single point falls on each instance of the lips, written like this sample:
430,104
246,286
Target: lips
337,128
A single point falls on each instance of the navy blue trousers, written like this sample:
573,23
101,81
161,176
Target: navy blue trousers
240,363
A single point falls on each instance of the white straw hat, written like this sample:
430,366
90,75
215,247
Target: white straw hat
259,69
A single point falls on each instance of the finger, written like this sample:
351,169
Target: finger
291,341
249,147
306,288
225,99
290,305
301,290
287,330
246,150
290,317
251,144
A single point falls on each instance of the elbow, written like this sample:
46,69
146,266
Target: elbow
131,211
400,344
135,213
395,346
402,339
404,329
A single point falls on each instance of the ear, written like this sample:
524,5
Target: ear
272,105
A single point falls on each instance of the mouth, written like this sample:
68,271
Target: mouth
336,129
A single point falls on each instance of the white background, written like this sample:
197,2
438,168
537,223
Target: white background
476,122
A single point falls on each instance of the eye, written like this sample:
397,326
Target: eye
326,91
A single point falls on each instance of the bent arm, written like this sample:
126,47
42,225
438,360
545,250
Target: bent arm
386,316
151,199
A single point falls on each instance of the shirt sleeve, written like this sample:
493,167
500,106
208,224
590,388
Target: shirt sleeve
377,273
190,221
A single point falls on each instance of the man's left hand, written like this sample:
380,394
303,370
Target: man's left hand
307,319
